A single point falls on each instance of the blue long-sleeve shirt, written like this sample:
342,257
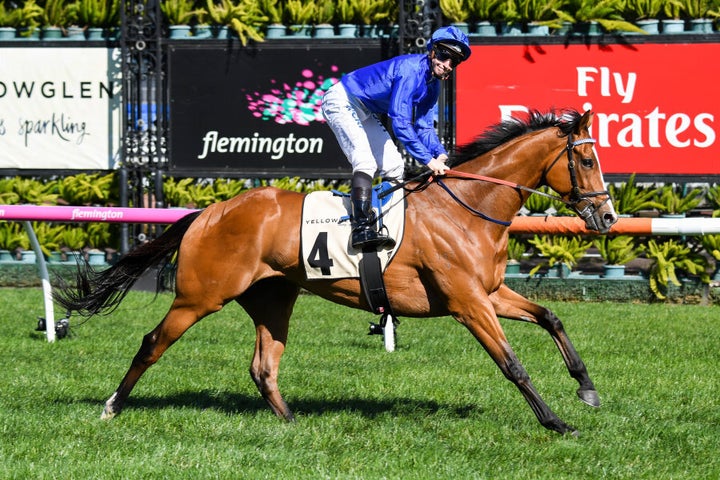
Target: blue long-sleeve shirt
404,89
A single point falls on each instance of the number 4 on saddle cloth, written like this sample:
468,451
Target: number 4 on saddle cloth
325,237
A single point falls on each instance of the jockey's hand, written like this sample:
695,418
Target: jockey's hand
437,165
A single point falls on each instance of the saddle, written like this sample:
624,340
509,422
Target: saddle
326,249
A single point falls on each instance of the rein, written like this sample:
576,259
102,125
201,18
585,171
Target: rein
468,207
576,196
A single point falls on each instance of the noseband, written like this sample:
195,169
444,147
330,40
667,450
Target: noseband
576,196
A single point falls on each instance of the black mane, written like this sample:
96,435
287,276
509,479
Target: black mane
514,127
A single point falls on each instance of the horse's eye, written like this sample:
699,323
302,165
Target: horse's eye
587,162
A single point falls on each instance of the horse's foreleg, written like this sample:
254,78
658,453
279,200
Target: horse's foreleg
154,344
482,322
510,304
270,304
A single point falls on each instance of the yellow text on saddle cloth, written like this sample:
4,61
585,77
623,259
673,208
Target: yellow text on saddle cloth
325,234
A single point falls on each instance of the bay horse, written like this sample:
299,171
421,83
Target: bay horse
451,260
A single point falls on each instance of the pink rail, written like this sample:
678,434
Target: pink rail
92,214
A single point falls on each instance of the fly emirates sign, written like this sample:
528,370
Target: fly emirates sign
656,106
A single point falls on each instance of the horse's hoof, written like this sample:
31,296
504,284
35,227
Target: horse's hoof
107,414
590,397
109,411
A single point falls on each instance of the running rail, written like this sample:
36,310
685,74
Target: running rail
624,226
28,213
520,224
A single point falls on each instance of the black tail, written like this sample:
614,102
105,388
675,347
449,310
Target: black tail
102,292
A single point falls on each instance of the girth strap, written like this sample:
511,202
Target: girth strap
371,280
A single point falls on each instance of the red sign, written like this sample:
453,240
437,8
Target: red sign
655,104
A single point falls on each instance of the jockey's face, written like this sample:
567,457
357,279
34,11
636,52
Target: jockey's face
443,62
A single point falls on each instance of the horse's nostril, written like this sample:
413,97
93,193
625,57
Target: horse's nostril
610,218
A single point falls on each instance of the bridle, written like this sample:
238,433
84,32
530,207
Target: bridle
575,198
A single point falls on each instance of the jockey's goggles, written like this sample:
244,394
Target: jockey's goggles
444,51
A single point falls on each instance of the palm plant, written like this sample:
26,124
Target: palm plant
4,15
371,12
324,12
86,189
455,10
13,236
73,239
643,9
668,256
542,12
672,9
507,11
58,13
674,201
712,195
8,195
180,12
606,13
345,11
695,9
516,249
299,12
483,10
538,203
273,9
48,236
99,235
33,191
245,17
711,244
558,249
617,250
97,13
25,18
629,198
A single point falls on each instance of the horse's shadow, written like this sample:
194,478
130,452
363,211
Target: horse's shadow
238,403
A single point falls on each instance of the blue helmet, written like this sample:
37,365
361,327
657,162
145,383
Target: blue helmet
453,39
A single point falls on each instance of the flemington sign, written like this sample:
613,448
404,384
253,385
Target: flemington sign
655,107
256,111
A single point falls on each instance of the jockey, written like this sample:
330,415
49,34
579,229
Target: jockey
406,88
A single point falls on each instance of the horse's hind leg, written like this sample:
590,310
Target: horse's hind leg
178,319
270,304
510,304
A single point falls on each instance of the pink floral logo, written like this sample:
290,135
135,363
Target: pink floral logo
298,104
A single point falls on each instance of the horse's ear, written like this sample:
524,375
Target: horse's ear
585,122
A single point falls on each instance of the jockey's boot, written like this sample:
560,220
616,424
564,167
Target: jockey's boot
365,232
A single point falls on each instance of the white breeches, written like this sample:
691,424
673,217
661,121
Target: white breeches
362,137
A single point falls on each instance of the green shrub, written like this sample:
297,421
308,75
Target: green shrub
629,198
668,256
558,249
617,250
674,200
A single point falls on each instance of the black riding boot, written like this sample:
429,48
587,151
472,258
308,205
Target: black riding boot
365,233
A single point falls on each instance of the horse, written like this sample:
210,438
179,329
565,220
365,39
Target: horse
451,260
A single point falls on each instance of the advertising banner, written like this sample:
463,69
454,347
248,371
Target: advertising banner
256,111
59,108
655,108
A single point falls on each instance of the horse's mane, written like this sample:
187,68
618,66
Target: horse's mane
566,120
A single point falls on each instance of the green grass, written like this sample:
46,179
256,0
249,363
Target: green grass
437,408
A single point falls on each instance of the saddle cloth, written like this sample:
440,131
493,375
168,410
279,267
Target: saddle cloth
326,228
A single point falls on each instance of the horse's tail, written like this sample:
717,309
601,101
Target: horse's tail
102,291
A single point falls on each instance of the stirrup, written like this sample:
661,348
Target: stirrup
368,237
